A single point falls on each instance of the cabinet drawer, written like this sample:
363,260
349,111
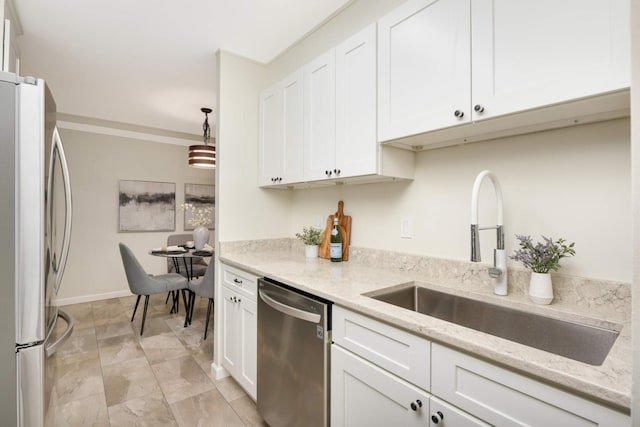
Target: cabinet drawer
400,352
501,397
242,282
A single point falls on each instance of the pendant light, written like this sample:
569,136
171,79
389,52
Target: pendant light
203,155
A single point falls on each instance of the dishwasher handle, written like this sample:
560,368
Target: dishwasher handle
288,310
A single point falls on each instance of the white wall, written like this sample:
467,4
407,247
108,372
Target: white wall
635,158
572,183
96,164
244,210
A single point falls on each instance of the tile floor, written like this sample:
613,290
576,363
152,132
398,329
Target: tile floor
107,375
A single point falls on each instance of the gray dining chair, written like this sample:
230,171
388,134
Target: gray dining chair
203,287
141,283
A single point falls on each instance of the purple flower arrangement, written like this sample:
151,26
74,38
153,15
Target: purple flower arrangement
542,257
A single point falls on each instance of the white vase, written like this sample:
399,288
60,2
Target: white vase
311,251
200,237
540,288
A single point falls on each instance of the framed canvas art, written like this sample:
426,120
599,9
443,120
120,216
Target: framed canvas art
147,206
200,196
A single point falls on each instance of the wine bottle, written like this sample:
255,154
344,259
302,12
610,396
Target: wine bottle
335,249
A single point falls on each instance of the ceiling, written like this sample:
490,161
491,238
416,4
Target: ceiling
152,62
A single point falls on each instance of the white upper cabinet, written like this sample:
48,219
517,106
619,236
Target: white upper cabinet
271,144
424,70
318,126
444,63
281,135
528,54
320,117
356,144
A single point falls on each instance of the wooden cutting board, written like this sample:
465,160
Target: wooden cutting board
344,222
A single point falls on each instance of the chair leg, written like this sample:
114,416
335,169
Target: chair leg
144,313
206,325
135,308
186,297
167,300
176,301
192,305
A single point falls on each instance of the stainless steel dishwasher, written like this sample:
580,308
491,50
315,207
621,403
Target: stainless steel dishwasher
294,339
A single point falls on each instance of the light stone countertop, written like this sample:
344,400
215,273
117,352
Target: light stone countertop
344,283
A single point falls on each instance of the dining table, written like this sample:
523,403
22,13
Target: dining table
182,252
187,254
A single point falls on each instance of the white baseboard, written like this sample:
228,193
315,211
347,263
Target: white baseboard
218,371
94,297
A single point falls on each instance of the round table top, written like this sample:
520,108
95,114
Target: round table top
189,253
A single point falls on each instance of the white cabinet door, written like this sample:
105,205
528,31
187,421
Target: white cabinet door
230,337
292,89
239,338
319,117
281,136
363,395
271,141
528,54
248,338
356,142
424,70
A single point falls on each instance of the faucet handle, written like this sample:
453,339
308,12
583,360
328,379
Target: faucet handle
495,272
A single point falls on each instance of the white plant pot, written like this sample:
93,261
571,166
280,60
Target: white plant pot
311,251
540,288
200,237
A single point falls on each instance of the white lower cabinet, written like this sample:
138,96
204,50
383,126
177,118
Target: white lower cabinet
502,397
378,375
239,327
364,395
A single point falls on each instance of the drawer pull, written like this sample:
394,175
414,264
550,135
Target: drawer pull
416,405
437,417
236,280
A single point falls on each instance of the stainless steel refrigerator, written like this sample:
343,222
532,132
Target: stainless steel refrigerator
35,229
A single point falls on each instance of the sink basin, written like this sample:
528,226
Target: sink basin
577,341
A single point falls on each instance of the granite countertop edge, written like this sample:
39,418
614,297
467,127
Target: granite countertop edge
344,283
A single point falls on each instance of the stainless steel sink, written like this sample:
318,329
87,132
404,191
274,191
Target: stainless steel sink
577,341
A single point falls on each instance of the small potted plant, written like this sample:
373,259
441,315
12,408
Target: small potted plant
541,258
311,237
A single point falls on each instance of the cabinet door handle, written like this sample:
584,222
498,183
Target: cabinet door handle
459,114
479,108
436,417
236,280
328,173
416,405
336,171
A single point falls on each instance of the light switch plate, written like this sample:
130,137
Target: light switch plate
406,228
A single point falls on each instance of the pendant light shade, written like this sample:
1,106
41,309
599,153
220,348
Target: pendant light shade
203,155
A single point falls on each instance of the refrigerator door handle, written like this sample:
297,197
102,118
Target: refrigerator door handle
51,349
57,145
288,310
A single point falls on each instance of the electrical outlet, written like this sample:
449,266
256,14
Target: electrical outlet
319,222
406,228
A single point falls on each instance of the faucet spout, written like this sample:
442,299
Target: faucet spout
499,270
